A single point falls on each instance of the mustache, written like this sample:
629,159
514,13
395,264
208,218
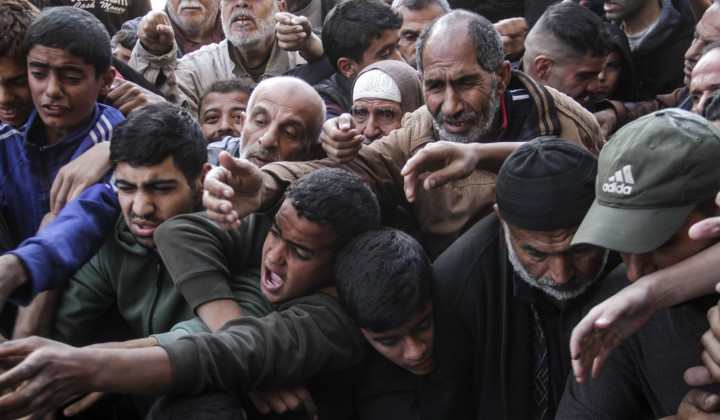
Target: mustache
466,115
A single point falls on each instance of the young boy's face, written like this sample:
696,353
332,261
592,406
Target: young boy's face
410,345
15,99
64,89
297,256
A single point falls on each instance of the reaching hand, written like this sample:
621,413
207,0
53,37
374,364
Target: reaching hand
606,326
447,161
79,174
607,118
512,31
232,191
282,400
340,140
126,96
155,33
49,375
294,33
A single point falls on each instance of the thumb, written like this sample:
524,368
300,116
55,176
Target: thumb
346,122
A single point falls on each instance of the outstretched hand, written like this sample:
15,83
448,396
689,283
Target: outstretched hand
340,140
606,326
50,374
446,160
155,33
233,190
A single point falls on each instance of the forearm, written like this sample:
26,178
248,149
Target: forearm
313,49
136,371
37,318
492,155
216,313
686,280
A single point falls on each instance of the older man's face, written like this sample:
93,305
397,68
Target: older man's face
193,16
547,261
375,118
462,97
414,21
250,23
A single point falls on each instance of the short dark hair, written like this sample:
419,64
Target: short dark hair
382,278
353,25
74,30
15,19
336,198
575,26
125,37
486,39
226,86
155,132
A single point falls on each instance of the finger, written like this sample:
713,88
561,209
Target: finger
307,402
708,228
82,404
261,403
711,365
58,192
698,376
345,122
706,401
277,404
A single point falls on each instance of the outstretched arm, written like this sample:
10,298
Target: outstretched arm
50,373
237,188
448,161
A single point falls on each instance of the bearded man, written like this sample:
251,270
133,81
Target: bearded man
473,98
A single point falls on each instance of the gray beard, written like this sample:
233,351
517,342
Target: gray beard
482,126
254,41
547,285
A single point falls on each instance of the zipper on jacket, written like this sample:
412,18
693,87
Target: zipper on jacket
158,292
46,178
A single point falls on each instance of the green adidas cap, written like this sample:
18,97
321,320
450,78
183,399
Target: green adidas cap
651,175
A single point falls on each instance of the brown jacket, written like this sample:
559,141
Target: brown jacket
444,213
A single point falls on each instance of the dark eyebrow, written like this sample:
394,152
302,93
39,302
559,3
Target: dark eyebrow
150,184
258,109
66,67
295,244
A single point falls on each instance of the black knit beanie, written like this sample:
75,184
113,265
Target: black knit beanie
546,184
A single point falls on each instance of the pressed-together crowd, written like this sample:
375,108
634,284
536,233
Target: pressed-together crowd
359,209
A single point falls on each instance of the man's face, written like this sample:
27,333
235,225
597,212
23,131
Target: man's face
577,80
547,261
250,24
150,195
463,98
376,118
277,127
705,80
382,48
64,89
609,78
193,16
706,31
414,21
121,52
622,9
410,345
16,103
678,248
222,114
297,256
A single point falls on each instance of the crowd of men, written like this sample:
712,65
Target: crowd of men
360,209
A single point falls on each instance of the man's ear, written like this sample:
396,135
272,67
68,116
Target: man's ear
282,6
543,67
106,80
503,76
497,212
201,179
348,68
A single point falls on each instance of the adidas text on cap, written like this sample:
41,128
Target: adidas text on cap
651,175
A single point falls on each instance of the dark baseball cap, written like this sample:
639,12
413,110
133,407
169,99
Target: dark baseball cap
651,175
